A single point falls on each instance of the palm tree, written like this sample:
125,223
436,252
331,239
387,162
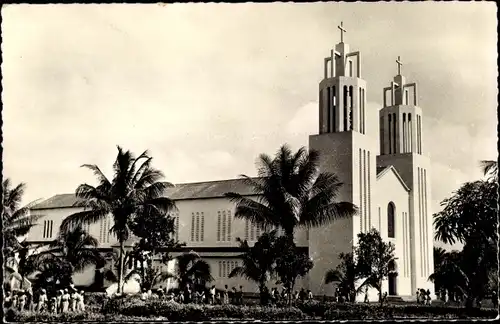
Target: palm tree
134,190
17,221
291,193
346,275
490,169
448,273
191,269
258,261
76,247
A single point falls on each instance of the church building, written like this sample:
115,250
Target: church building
379,160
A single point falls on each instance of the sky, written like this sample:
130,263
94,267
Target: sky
206,88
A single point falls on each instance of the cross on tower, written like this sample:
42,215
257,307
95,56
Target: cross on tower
342,31
398,61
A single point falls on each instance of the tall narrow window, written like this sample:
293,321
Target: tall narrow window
202,233
390,133
350,68
420,219
394,132
351,95
224,225
246,230
229,226
252,232
404,132
329,107
410,131
177,227
360,192
219,226
391,209
369,209
333,119
407,99
346,113
220,269
363,109
192,226
365,225
360,107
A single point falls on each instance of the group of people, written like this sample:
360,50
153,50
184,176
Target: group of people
423,296
197,295
64,300
214,296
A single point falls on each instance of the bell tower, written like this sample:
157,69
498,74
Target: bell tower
347,148
401,146
342,91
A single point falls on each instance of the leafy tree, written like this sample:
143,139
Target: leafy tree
374,258
291,193
134,190
16,220
290,263
346,274
156,232
76,247
448,274
490,169
470,217
258,262
191,269
52,274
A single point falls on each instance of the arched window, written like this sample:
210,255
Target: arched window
391,210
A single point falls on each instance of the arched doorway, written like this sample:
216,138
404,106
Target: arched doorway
392,279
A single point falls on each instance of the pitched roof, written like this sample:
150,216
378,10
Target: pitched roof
383,170
182,191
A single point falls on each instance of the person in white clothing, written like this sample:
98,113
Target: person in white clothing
65,301
42,301
80,306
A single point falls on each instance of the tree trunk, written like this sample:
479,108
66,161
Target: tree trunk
120,267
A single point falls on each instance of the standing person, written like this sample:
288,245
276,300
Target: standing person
337,295
74,297
59,301
240,296
8,300
53,305
42,301
302,294
65,301
212,295
225,299
366,295
233,295
309,295
29,299
15,299
22,301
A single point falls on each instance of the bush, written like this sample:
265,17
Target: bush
192,312
16,316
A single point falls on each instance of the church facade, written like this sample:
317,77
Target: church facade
383,170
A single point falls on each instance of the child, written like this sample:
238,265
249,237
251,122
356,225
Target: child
212,295
53,305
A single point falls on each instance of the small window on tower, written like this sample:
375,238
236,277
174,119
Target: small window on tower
350,68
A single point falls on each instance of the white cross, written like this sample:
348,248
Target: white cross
342,31
398,61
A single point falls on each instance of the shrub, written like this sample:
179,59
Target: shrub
192,312
15,316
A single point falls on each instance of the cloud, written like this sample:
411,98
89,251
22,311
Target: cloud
236,82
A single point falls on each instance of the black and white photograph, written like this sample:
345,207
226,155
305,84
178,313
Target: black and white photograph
315,161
